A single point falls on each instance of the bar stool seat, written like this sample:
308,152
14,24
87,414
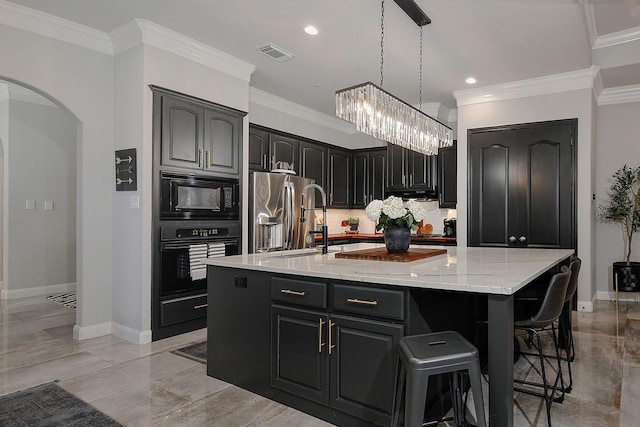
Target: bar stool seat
437,353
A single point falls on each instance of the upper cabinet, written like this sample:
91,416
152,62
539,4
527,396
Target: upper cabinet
283,149
448,176
339,193
409,169
258,150
267,148
369,176
199,136
313,164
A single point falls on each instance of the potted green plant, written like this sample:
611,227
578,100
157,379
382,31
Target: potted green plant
353,223
622,208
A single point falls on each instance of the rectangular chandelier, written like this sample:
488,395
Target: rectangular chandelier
378,113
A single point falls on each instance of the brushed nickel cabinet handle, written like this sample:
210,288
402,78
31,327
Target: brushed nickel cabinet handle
331,346
208,156
290,292
196,307
362,302
320,343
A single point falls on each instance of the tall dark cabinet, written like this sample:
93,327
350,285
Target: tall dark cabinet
339,191
448,176
369,176
522,185
313,164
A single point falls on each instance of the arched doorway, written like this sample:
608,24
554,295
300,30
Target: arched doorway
39,185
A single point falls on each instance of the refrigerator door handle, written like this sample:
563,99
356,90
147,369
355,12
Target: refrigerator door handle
292,212
285,215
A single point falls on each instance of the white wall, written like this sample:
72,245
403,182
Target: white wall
618,137
81,81
4,136
41,163
575,104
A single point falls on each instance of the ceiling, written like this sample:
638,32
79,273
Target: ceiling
495,41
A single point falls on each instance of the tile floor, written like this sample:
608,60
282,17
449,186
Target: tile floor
149,386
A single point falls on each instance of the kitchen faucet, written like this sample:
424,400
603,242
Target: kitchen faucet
323,229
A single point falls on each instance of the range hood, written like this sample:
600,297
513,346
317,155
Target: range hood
412,193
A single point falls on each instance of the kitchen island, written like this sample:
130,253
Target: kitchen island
319,333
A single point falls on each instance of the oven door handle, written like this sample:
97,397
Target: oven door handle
186,245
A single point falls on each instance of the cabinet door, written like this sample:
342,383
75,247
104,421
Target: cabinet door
377,174
182,134
313,164
397,167
360,179
339,178
522,186
447,177
222,139
283,149
363,367
258,150
298,352
419,177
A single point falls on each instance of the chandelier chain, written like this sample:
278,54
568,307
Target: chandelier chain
420,90
382,44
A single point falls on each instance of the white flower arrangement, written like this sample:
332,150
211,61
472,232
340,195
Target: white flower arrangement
393,210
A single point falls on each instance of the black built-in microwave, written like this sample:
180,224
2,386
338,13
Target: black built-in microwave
198,197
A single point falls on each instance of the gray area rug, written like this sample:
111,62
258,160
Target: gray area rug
197,352
48,405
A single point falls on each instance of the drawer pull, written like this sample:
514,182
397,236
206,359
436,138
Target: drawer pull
290,292
196,307
362,302
320,343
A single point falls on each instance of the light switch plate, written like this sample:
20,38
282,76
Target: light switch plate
134,202
30,205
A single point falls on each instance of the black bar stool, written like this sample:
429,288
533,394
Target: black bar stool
430,354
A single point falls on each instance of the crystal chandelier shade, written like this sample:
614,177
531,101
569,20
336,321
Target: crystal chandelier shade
381,115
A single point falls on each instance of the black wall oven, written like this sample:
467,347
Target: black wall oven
180,302
200,197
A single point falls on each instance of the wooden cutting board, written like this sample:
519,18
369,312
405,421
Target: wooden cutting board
381,254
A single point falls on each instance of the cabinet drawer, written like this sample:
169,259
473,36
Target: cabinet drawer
369,301
183,309
302,292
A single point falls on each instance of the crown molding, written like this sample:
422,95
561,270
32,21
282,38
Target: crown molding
4,92
619,95
142,31
34,21
590,19
259,97
557,83
619,37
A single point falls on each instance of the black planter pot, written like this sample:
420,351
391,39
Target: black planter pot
628,276
397,238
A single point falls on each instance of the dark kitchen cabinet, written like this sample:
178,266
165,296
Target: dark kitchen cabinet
258,150
283,149
448,176
199,136
369,176
313,164
522,185
339,174
343,361
409,169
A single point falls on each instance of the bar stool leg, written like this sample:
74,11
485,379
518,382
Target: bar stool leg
415,398
475,377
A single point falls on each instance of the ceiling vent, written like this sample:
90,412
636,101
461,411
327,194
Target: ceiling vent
275,52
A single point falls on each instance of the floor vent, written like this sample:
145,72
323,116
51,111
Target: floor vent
275,52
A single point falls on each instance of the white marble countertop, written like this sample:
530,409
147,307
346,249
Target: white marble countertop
480,270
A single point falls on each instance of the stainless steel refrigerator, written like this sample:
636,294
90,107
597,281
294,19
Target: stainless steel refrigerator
275,213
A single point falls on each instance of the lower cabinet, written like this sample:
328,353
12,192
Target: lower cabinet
345,362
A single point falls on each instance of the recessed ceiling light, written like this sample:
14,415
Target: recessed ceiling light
471,81
311,30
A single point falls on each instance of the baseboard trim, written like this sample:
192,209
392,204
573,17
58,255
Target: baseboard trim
6,294
111,328
586,306
86,332
129,334
622,296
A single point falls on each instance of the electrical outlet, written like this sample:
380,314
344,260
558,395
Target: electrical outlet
134,202
48,205
240,281
30,205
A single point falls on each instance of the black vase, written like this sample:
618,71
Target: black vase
397,238
628,275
